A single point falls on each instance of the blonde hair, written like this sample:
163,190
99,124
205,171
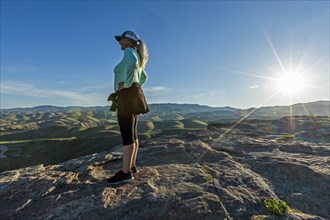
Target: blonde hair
142,49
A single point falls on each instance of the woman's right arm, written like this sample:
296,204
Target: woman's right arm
143,77
130,61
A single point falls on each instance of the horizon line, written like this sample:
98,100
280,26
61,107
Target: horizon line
164,103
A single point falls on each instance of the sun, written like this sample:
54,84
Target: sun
290,83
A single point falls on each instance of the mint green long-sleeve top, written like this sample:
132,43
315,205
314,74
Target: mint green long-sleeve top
129,71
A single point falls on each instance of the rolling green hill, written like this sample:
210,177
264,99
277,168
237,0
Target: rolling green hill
52,137
49,134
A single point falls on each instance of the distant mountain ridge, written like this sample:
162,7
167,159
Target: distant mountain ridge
172,111
188,108
319,108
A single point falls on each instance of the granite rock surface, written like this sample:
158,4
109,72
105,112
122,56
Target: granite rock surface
225,172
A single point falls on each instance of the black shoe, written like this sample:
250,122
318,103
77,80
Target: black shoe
134,170
120,177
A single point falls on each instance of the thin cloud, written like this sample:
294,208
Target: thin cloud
21,69
211,97
155,88
25,89
102,87
21,88
171,95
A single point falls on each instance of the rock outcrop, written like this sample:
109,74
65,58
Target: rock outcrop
221,173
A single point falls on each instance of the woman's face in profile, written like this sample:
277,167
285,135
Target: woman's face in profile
124,43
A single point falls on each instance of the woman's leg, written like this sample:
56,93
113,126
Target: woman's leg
126,124
136,141
136,148
127,157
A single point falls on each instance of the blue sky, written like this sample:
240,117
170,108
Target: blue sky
216,53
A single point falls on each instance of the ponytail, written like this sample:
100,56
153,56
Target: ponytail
143,52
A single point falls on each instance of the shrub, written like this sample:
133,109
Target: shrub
276,206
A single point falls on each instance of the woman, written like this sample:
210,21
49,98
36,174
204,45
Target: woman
129,77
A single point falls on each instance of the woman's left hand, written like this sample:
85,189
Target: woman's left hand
121,86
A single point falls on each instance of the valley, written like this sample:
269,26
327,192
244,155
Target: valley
30,138
50,134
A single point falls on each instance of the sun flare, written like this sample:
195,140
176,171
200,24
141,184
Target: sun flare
290,83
